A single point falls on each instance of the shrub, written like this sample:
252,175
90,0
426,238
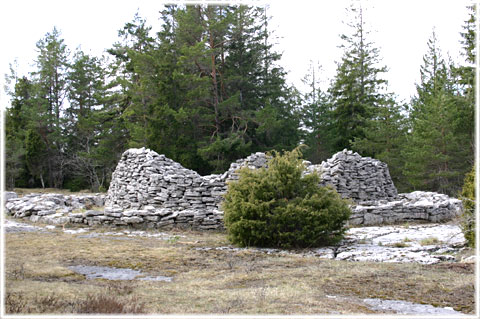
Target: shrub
279,206
468,199
101,304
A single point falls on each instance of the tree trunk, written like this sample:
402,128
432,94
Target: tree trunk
214,85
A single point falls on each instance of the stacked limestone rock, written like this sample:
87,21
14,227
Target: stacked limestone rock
254,161
150,190
358,178
54,208
408,207
367,182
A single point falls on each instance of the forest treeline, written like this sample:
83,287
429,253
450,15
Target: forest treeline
208,89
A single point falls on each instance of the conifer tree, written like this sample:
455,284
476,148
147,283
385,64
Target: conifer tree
50,83
465,79
16,120
356,91
86,93
438,157
316,118
385,137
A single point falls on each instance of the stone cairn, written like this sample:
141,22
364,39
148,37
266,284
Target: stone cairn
355,177
367,183
151,190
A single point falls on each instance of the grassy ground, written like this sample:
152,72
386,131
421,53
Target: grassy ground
38,279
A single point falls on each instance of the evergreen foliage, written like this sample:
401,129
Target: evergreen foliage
384,138
279,207
468,198
356,90
207,89
317,118
438,147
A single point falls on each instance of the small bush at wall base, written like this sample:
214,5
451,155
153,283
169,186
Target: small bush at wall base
468,199
279,207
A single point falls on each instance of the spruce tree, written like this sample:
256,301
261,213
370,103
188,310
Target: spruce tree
385,137
16,121
438,157
356,91
316,118
86,93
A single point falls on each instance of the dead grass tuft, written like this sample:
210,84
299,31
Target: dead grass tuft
102,304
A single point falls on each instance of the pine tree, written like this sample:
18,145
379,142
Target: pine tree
356,91
16,120
50,83
135,68
465,80
207,87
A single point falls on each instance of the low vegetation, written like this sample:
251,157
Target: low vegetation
207,278
430,241
278,206
468,199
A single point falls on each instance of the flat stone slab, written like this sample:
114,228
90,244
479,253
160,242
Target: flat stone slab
111,273
11,226
409,308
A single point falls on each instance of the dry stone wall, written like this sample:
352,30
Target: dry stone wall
153,191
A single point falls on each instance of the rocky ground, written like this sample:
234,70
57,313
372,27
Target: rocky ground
403,269
423,243
417,268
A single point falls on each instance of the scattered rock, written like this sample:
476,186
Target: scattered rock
10,195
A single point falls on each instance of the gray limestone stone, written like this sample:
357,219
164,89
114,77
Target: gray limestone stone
153,190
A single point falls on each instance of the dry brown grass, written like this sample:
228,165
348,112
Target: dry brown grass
25,191
214,281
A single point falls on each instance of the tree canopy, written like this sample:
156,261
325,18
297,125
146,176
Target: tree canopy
208,88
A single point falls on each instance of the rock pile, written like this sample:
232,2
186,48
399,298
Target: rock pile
415,206
151,189
358,178
54,208
254,161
